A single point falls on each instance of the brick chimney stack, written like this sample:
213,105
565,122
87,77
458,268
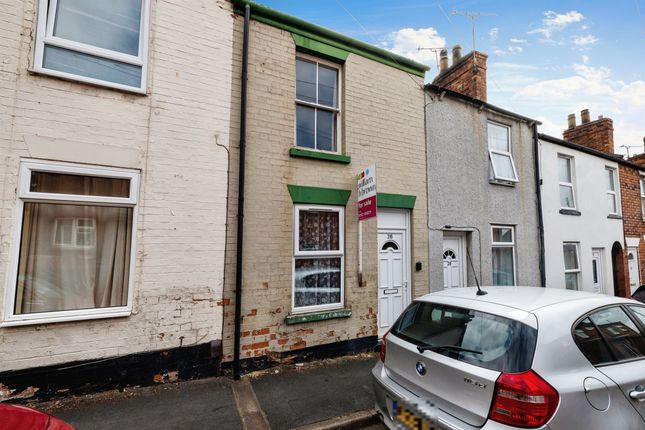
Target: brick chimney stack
598,134
466,75
639,158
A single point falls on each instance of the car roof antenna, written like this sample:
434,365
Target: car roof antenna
480,292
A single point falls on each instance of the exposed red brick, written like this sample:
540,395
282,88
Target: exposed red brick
223,302
245,334
463,77
598,135
298,345
283,341
260,332
253,313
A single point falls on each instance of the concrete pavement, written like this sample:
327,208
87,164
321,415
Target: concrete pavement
329,394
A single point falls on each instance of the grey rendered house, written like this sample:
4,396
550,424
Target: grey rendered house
482,195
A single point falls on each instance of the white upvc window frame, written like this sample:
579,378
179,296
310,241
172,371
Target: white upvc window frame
25,195
508,153
73,244
510,244
338,110
576,271
568,184
642,186
318,254
612,173
45,36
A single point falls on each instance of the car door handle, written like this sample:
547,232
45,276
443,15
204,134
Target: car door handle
638,393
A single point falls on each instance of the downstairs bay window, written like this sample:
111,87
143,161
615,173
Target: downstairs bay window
318,263
74,257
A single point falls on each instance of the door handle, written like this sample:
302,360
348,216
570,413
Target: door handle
638,393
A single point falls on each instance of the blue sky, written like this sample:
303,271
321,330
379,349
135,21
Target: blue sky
546,59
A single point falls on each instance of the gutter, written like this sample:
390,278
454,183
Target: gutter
240,194
538,191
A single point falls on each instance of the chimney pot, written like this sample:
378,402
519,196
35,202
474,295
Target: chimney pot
443,60
572,120
584,116
600,117
456,54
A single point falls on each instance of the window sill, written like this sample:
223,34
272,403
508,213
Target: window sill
17,321
570,212
502,182
614,216
317,316
318,155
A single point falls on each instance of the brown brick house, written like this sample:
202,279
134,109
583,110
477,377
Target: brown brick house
629,257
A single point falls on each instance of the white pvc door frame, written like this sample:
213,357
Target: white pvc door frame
387,224
461,238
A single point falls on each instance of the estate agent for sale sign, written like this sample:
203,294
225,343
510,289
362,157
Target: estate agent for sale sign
367,193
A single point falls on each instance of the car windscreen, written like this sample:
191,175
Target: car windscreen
482,339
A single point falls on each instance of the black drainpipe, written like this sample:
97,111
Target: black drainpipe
538,188
240,196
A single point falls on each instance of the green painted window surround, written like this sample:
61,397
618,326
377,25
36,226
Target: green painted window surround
306,153
328,37
399,201
317,316
318,196
319,49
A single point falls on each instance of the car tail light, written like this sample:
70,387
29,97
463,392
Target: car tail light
383,347
523,400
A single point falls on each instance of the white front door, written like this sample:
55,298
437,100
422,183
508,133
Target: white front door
453,262
393,267
632,265
597,271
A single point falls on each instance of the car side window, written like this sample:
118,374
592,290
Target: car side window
639,311
609,335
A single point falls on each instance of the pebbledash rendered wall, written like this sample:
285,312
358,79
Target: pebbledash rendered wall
176,136
382,123
462,196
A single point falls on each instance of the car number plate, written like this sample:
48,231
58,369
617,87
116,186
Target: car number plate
410,418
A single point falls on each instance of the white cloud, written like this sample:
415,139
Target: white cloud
511,50
407,42
518,41
553,22
515,49
493,33
584,42
588,87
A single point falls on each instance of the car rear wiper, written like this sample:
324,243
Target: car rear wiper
435,348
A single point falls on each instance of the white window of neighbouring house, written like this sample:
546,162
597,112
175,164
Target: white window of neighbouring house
98,42
74,252
571,265
643,196
503,255
317,105
612,193
318,262
499,151
565,177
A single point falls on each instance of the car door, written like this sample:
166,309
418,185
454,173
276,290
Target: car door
622,329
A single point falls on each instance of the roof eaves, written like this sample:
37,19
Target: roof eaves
477,102
299,26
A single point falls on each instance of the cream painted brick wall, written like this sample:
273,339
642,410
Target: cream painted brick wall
171,135
382,120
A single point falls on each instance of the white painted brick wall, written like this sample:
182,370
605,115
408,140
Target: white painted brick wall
171,135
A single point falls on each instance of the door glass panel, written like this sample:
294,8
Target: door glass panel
591,343
624,338
594,268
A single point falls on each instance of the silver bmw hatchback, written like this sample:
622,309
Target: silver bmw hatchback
517,357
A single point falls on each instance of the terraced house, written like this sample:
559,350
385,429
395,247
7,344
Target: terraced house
114,128
319,109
